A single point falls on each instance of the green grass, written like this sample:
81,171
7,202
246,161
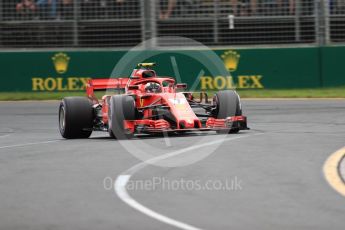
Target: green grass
335,92
17,96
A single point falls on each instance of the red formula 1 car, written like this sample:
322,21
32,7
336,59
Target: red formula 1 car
146,103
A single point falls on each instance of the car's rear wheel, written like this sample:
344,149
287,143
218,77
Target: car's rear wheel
227,105
75,117
121,108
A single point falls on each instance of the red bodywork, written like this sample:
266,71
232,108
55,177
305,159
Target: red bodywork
168,97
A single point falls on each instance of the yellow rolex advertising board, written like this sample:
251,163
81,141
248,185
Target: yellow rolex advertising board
245,69
231,61
60,62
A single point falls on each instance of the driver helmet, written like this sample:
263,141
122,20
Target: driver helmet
152,87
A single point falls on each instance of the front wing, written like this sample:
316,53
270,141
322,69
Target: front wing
161,125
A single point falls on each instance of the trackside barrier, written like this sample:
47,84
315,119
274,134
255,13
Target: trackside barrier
272,68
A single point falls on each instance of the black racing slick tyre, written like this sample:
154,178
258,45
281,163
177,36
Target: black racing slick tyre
227,105
121,108
75,117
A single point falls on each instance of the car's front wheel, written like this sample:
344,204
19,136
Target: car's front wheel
121,108
227,105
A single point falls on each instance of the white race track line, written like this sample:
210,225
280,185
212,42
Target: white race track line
123,178
11,132
6,135
28,144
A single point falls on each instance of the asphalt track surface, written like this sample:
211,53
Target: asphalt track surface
50,183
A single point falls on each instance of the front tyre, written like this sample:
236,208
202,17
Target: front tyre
227,105
121,108
75,117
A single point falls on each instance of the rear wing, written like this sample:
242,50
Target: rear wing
105,84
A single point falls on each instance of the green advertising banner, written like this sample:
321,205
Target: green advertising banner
200,69
332,68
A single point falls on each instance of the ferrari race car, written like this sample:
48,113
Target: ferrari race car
147,104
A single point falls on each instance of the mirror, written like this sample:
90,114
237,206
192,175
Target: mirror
181,86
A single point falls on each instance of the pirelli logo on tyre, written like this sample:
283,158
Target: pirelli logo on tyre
60,63
231,61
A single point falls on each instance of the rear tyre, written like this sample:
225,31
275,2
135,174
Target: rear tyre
227,105
75,117
121,108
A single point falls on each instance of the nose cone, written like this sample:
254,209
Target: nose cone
190,122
